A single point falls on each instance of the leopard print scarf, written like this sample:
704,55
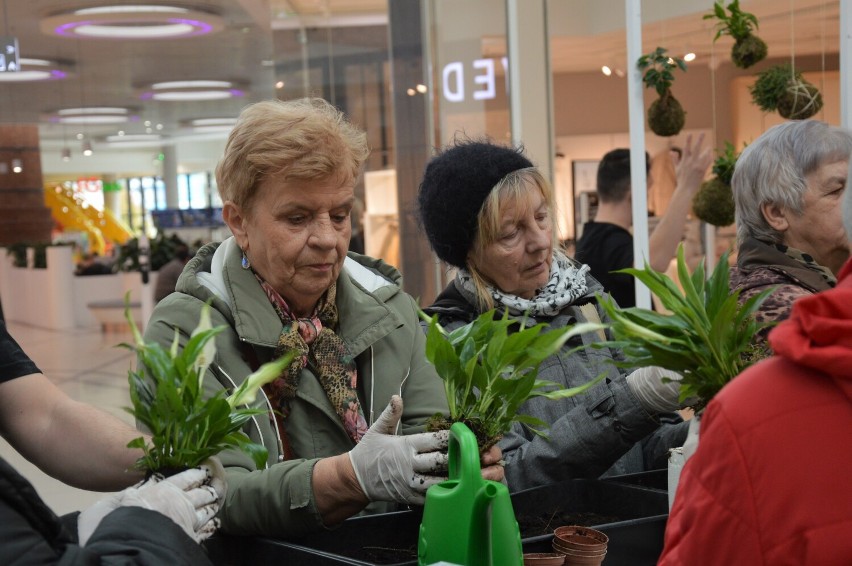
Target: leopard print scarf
316,344
808,261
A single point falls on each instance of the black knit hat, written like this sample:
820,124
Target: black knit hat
454,187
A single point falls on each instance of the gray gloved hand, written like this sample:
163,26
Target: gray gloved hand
191,499
657,389
399,468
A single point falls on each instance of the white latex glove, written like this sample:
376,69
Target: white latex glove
191,499
655,395
399,468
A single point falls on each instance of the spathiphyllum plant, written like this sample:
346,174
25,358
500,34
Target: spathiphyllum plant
707,338
168,398
490,367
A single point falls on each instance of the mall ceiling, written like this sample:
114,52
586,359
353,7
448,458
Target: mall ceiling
119,73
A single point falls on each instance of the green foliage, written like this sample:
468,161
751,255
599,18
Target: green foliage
489,369
162,251
18,251
785,90
658,69
707,338
738,24
725,163
167,397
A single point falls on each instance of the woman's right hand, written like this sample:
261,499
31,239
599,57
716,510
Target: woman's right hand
399,468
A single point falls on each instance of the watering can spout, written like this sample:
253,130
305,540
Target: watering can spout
468,519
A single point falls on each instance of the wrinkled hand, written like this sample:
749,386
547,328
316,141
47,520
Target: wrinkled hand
692,167
657,389
191,499
399,468
492,464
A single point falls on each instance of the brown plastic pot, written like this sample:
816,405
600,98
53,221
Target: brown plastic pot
580,538
544,559
557,547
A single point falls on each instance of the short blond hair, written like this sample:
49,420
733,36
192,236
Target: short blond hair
306,139
513,189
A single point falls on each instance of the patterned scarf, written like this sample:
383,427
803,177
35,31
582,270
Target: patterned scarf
807,261
567,283
318,345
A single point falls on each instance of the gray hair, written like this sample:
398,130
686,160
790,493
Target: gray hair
773,168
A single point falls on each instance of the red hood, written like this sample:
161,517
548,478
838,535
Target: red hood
818,333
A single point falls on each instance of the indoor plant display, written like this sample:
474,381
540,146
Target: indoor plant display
714,201
665,116
748,49
168,399
707,338
783,89
489,369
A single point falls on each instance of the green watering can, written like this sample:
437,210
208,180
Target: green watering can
468,520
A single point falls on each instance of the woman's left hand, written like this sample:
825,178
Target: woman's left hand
492,464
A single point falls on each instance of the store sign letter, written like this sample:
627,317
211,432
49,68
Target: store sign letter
484,79
455,70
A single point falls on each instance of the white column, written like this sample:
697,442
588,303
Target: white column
170,175
530,81
636,114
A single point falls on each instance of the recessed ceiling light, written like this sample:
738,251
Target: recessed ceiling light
178,91
132,22
36,70
92,115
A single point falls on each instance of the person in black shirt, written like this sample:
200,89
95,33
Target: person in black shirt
607,244
76,443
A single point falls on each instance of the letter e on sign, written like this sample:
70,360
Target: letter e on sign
486,79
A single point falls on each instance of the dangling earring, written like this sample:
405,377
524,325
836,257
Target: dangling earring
245,261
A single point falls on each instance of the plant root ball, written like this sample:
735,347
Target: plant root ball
666,116
714,203
747,51
800,101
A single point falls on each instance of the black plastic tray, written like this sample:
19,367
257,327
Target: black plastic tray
634,517
653,479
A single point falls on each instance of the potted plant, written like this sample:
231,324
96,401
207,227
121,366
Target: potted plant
748,49
714,201
167,397
782,89
489,369
707,338
666,116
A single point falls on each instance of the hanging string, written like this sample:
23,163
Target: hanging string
822,55
713,90
793,37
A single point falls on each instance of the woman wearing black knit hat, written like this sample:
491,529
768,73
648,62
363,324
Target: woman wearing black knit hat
489,212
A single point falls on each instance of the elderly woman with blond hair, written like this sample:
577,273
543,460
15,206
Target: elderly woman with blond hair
284,282
490,213
787,187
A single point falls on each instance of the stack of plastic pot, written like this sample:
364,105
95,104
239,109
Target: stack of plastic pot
581,546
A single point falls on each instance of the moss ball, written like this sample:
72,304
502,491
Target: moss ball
800,101
714,203
747,51
666,116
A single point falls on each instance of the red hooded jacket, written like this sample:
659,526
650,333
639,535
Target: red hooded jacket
771,481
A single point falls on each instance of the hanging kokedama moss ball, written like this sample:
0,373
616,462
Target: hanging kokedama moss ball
666,116
747,51
800,101
714,203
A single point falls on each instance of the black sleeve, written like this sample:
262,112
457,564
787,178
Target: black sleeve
13,361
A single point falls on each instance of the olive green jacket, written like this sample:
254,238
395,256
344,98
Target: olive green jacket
378,322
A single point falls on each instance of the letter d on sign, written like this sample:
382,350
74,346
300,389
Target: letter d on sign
454,72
